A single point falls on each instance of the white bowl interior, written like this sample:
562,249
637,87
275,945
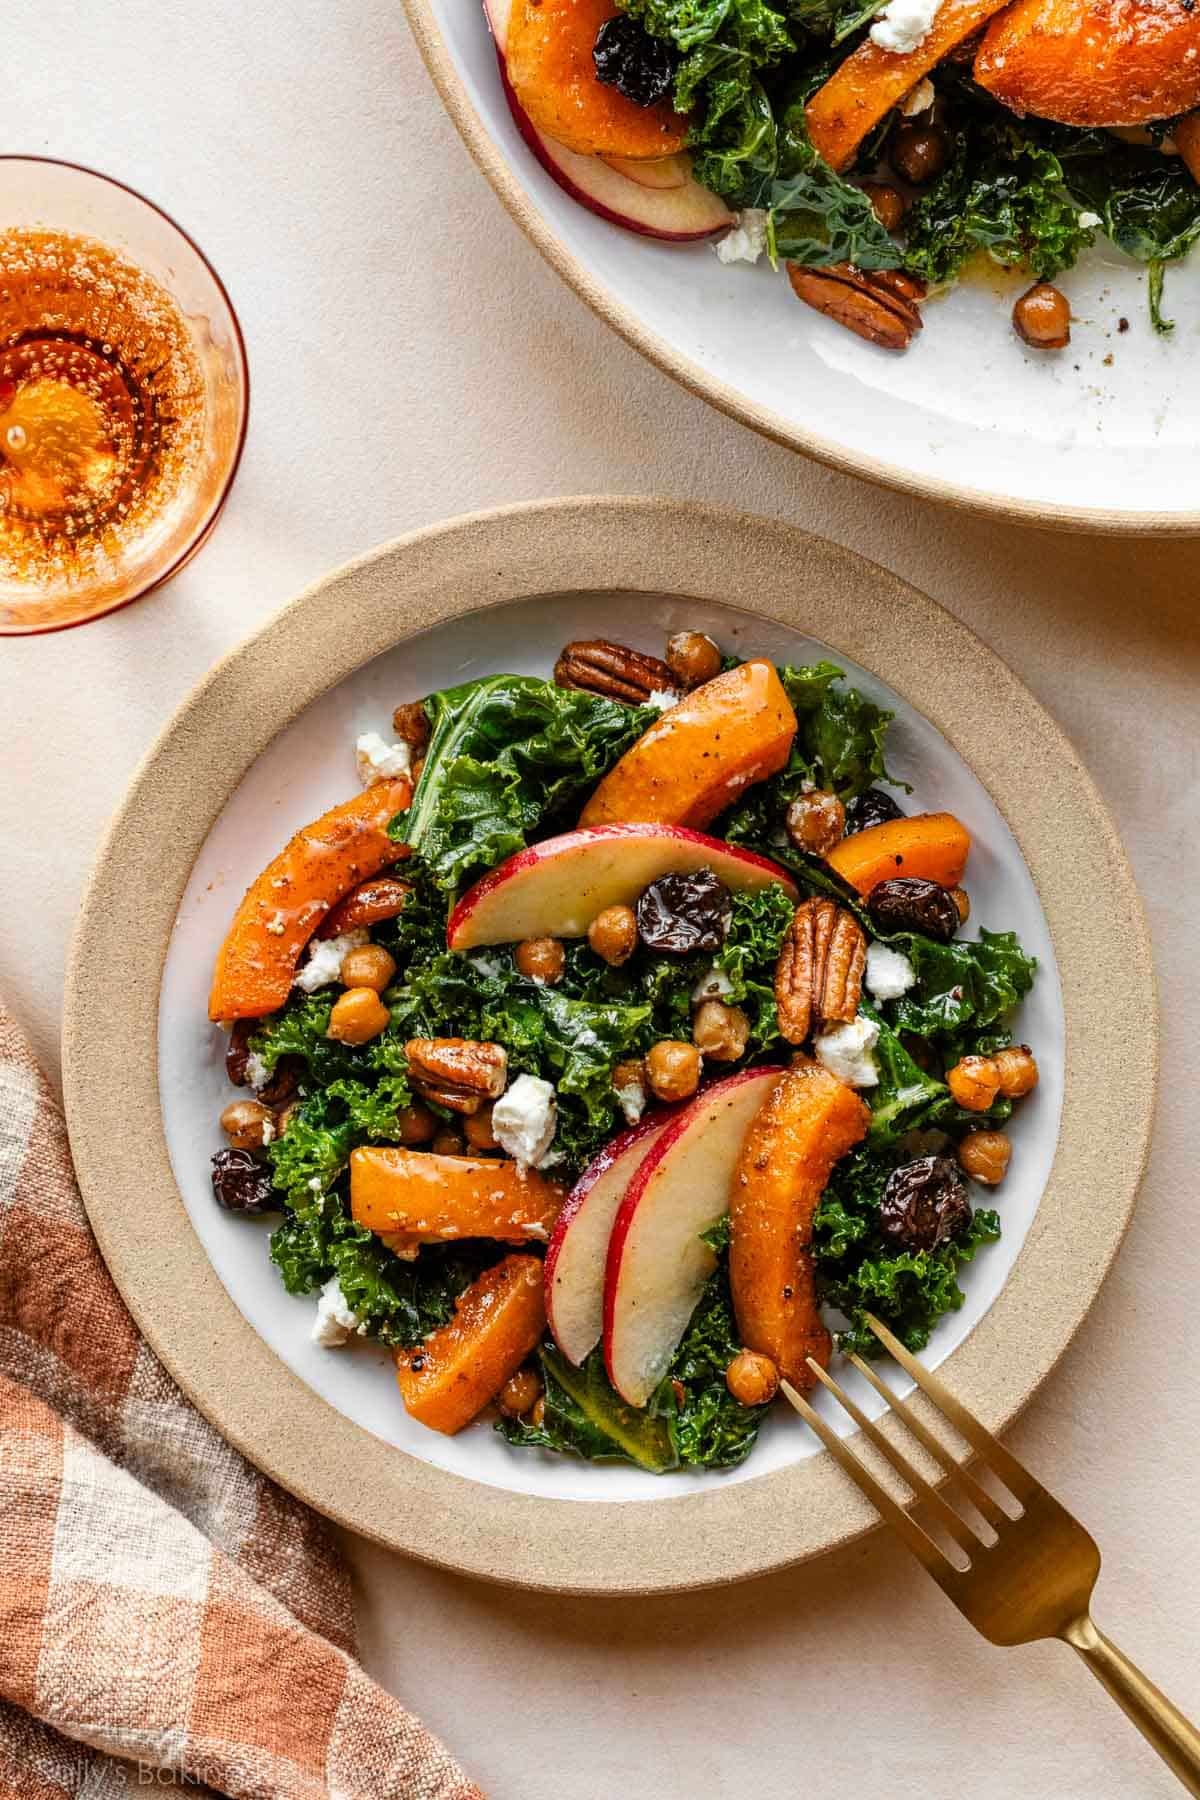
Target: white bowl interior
1109,424
308,768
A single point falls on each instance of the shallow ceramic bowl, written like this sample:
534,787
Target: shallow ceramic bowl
266,743
1103,437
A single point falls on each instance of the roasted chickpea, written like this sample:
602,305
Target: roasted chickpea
816,821
447,1143
358,1016
411,725
887,203
1018,1071
248,1124
985,1156
369,966
519,1393
693,658
613,934
962,900
752,1379
629,1074
919,152
673,1070
479,1134
974,1082
415,1125
720,1032
1042,317
541,959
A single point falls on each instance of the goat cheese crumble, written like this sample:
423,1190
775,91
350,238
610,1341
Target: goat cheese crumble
903,25
663,698
631,1096
336,1319
1090,220
524,1119
846,1051
889,972
377,760
256,1070
325,959
714,984
748,239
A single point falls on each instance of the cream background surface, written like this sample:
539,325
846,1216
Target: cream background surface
412,357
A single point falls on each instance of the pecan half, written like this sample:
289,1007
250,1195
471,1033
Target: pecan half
880,305
597,667
458,1073
818,977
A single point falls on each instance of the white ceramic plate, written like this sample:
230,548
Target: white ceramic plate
307,769
264,744
1103,437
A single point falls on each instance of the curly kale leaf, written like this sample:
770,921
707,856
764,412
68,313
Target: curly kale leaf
724,47
859,1273
962,985
507,755
1001,192
310,1155
816,215
585,1417
1149,203
708,1427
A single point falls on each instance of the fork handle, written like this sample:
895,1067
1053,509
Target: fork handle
1160,1723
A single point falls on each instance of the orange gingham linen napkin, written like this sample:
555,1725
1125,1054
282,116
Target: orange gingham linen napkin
163,1607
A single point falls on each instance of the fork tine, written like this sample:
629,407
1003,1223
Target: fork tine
979,1497
1014,1474
951,1522
918,1541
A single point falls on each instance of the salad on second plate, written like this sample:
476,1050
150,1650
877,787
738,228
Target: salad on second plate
618,1048
874,147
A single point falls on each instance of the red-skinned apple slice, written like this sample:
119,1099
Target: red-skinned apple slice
657,172
681,213
657,1262
578,1249
556,889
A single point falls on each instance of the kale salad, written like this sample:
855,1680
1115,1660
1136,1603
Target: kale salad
874,148
620,1048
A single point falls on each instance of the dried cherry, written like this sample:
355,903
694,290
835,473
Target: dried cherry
910,903
237,1052
626,57
924,1204
684,913
873,807
242,1184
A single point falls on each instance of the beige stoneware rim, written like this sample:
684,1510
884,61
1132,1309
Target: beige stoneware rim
1106,521
593,545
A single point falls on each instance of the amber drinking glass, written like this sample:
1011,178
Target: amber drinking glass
123,395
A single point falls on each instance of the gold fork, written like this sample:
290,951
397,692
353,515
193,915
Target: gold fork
1034,1579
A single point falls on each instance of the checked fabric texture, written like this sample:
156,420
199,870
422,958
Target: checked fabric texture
168,1617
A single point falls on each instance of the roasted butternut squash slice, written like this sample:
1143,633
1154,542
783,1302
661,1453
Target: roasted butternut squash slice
871,81
1094,62
446,1380
548,61
736,729
809,1120
933,845
424,1198
283,907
